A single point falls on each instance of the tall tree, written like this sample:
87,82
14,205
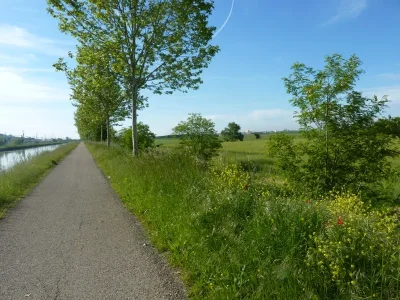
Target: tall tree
95,86
157,45
343,148
198,136
232,133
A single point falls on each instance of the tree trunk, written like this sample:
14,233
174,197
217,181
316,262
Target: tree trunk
135,145
108,131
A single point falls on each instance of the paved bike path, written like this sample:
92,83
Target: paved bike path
71,238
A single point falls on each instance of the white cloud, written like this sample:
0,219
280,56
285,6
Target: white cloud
55,121
257,120
19,37
390,76
15,88
18,60
35,107
393,92
348,9
27,70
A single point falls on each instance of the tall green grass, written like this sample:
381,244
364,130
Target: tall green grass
21,178
235,238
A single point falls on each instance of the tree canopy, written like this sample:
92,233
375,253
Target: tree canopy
198,136
232,133
161,46
343,148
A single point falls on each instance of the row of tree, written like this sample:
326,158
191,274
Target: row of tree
127,46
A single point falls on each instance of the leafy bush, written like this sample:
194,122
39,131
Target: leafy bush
358,250
342,147
198,136
230,176
232,133
146,138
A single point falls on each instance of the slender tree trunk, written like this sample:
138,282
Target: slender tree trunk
327,142
108,131
101,133
135,145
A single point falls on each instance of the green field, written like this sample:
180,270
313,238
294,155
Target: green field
251,150
237,231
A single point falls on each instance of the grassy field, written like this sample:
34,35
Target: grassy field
16,182
251,153
233,236
251,150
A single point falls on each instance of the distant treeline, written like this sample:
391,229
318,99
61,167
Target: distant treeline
176,136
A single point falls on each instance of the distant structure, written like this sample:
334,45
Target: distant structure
248,132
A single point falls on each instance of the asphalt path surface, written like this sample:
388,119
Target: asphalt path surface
71,238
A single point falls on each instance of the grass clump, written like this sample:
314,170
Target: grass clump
17,181
234,237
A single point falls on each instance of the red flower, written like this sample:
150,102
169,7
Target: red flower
246,187
340,221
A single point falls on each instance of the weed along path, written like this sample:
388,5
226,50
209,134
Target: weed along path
71,238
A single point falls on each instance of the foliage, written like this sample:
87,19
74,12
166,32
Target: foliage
231,177
95,91
21,178
161,46
198,136
237,242
357,251
390,126
146,138
16,142
257,135
232,133
343,149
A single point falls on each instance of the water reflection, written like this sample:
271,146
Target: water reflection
10,158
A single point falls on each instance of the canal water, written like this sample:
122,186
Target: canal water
11,158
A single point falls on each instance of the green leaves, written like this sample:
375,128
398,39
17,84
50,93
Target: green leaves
198,135
232,133
343,148
161,46
315,93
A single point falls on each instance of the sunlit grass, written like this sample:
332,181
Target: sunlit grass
236,238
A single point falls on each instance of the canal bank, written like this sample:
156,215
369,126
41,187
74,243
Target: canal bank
10,158
27,146
17,181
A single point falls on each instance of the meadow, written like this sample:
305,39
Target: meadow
235,229
17,181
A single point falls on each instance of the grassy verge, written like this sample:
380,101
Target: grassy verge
26,146
236,238
20,179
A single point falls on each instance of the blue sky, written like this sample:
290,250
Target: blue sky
259,43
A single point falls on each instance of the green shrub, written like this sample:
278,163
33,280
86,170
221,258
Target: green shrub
358,251
146,138
233,241
198,136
